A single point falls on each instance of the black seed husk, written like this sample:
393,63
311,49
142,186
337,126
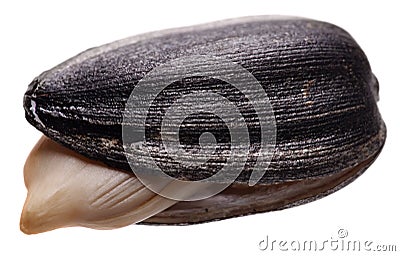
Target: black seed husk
317,78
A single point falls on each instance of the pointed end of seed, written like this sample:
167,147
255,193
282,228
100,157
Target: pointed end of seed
32,221
44,214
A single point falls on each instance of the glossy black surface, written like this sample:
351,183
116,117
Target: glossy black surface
317,78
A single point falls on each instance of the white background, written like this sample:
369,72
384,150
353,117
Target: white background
36,35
